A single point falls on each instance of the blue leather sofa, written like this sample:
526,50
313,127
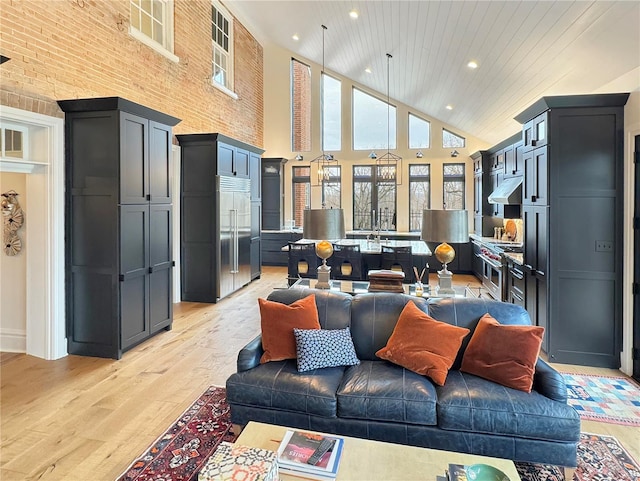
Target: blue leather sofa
382,401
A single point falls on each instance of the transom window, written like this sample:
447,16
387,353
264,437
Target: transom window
374,199
13,142
453,186
222,40
151,22
419,132
451,140
370,129
419,194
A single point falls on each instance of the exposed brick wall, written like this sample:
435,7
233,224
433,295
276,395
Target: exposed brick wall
65,49
302,106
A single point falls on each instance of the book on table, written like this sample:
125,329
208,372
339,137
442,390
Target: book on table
297,449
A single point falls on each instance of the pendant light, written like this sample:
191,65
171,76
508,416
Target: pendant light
325,160
388,165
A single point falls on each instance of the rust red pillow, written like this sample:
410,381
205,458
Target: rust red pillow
277,322
503,354
423,344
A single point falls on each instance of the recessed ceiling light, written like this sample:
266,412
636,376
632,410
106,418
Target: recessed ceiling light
472,64
353,13
368,69
449,107
295,37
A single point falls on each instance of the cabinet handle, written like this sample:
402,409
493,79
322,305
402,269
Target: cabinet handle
148,196
121,277
540,273
173,263
151,270
513,172
533,198
534,142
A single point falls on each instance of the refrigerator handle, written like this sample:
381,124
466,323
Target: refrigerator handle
237,242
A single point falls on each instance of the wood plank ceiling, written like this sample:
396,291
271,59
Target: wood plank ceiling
525,50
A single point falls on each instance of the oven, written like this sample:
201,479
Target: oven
493,270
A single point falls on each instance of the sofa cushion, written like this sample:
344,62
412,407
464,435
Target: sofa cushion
380,391
318,348
334,308
470,403
423,344
279,385
277,322
503,354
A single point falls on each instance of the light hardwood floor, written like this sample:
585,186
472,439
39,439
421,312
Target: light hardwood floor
82,418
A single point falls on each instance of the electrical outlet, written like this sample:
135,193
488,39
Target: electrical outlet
604,246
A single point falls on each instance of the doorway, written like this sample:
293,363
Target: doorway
636,263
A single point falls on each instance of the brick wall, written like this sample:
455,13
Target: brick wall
65,49
302,107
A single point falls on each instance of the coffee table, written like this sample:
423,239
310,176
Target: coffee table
366,460
360,287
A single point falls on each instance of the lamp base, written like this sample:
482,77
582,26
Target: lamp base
323,277
444,282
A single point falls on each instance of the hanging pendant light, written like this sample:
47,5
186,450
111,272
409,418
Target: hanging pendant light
388,166
324,161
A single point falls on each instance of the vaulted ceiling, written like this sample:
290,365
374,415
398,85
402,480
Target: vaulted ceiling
524,50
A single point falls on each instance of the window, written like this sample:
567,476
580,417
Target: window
331,187
374,199
331,113
450,140
13,142
300,107
151,22
453,186
419,194
301,190
222,40
370,129
419,132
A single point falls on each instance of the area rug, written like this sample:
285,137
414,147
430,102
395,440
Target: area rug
180,453
608,399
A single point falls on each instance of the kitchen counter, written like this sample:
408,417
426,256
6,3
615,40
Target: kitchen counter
418,248
493,240
383,234
517,258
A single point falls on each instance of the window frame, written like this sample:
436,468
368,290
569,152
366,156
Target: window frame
454,178
227,88
375,195
393,137
428,146
297,178
419,178
332,179
166,48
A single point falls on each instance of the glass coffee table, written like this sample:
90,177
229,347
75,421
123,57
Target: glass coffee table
361,287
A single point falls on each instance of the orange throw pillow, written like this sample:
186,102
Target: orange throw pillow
277,321
422,344
503,354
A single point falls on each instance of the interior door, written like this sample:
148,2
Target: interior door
636,263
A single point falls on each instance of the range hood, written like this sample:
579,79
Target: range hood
508,192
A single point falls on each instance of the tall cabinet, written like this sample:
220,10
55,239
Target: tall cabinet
573,221
118,224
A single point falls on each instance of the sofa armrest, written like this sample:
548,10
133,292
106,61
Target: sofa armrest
549,382
249,356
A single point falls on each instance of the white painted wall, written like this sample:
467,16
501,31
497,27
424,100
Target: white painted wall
13,276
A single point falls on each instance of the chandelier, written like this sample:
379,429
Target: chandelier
388,165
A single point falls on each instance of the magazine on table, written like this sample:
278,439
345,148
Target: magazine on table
298,447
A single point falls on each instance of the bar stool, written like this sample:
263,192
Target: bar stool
303,261
398,258
346,262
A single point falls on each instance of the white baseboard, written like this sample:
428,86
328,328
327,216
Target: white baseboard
13,340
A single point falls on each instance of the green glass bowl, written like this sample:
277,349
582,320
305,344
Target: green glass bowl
485,472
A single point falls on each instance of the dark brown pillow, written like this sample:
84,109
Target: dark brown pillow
422,344
277,321
503,354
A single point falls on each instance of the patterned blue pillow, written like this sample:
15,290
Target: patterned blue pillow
318,348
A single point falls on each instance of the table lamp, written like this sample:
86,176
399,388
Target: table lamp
323,225
445,226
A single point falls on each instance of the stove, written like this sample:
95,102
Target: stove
494,265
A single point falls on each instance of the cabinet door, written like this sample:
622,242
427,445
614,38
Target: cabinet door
134,279
271,195
537,306
527,136
254,175
497,210
159,163
226,154
160,267
513,161
134,159
540,126
535,220
241,163
477,194
536,177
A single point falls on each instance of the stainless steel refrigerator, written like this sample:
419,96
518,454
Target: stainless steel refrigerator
234,220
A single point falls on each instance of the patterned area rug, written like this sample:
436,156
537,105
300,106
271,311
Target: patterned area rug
180,453
608,399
